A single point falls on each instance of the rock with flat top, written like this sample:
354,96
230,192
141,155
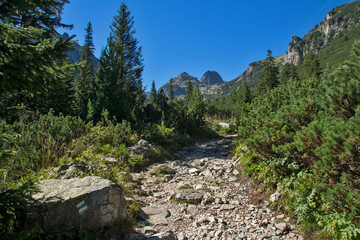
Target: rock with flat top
89,202
155,215
189,196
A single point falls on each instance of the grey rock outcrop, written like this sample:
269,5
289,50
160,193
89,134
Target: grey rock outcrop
294,53
89,202
210,83
142,147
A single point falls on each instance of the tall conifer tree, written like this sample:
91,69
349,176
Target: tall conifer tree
84,84
243,94
32,61
269,76
311,66
189,90
119,83
288,72
153,93
196,100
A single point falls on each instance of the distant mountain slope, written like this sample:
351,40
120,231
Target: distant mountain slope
211,78
179,84
209,84
331,40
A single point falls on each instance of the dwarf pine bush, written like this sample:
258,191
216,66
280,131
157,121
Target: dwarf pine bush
306,136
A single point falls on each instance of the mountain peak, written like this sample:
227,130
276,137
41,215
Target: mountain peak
211,78
208,85
184,74
183,77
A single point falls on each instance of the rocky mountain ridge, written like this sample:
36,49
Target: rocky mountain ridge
343,19
209,84
339,20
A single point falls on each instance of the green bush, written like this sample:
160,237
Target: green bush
111,133
306,137
15,202
38,143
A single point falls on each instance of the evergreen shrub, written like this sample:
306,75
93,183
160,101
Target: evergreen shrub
304,139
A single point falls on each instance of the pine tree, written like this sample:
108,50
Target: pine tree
153,95
195,109
311,66
196,100
171,90
85,80
269,76
32,62
45,14
189,90
288,72
119,83
243,95
162,101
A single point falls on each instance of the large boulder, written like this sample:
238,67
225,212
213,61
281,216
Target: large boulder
89,202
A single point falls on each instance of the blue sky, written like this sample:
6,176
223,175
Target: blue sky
195,36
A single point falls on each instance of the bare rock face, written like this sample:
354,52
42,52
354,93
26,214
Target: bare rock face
89,202
211,78
294,53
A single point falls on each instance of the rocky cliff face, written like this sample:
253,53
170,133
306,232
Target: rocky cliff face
209,84
339,20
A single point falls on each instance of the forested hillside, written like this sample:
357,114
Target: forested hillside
297,126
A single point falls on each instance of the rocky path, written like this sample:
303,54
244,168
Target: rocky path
198,195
